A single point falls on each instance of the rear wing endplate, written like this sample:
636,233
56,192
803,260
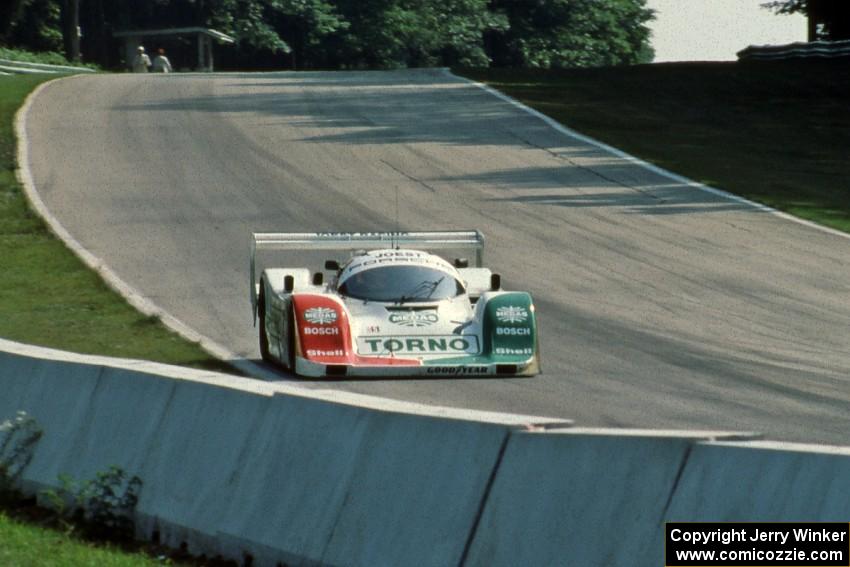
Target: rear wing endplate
428,240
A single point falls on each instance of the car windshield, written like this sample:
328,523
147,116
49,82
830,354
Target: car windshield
401,284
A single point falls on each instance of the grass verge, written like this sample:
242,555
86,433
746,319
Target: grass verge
48,296
31,536
46,57
25,544
773,132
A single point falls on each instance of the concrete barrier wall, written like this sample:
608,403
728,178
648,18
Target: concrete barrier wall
601,498
237,467
352,487
234,466
757,481
582,497
799,50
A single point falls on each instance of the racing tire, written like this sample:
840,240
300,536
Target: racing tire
265,353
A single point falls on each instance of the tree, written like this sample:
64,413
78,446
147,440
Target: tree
305,27
353,33
415,33
828,19
264,29
261,24
71,29
571,33
11,13
31,24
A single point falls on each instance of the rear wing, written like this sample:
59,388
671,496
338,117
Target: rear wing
428,240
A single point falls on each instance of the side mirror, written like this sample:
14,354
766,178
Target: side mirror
495,282
332,265
461,263
288,284
318,278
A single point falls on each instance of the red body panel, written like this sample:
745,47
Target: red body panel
324,333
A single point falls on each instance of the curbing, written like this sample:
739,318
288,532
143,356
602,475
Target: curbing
28,67
130,294
18,70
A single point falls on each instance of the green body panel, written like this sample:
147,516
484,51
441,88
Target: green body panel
509,332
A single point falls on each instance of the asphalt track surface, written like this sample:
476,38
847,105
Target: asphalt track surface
660,305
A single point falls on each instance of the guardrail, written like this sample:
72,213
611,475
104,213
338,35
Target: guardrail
800,50
286,475
10,66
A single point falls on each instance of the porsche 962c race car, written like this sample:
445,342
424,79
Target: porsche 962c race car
391,308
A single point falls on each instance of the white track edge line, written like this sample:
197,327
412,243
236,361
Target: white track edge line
251,368
128,292
147,307
646,165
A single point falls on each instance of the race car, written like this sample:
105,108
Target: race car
392,307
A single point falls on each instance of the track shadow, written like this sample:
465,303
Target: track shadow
289,376
377,107
385,108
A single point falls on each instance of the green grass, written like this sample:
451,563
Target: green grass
35,537
47,57
777,133
29,545
47,296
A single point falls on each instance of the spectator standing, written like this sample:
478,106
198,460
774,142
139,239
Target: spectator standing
141,62
161,64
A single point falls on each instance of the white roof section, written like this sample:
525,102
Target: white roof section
217,35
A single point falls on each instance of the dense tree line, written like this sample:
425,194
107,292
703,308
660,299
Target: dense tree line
828,19
351,33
